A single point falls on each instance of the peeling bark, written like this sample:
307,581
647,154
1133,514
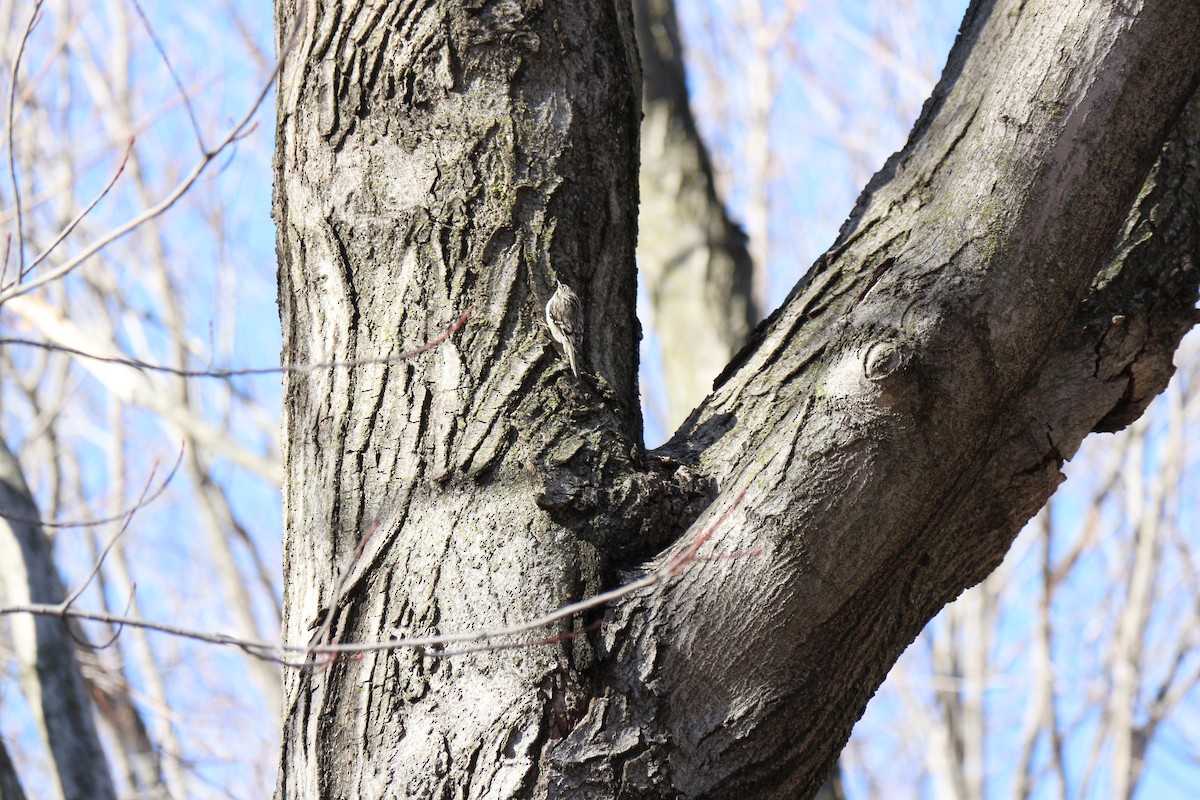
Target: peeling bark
870,454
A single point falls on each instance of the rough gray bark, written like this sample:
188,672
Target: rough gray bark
433,160
871,453
50,676
692,257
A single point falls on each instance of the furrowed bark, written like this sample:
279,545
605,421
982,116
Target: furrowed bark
876,446
692,258
433,160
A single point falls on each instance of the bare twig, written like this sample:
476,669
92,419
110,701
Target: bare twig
92,523
237,131
323,632
492,646
66,231
112,639
128,518
187,100
237,373
34,17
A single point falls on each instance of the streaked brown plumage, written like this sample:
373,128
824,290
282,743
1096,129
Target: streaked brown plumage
564,316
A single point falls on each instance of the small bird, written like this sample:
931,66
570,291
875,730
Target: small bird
564,316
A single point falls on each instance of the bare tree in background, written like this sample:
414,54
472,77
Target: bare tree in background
693,259
125,244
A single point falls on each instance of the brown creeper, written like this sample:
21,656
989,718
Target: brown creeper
564,315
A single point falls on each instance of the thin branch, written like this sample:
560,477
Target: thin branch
323,633
235,133
92,523
120,532
566,636
236,373
112,639
65,232
57,610
671,568
65,32
187,100
34,18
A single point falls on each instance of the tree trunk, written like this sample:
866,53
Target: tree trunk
10,782
50,675
693,258
432,162
871,452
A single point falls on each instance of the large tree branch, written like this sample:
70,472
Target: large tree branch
908,409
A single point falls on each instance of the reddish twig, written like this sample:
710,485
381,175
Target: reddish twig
128,518
678,562
314,656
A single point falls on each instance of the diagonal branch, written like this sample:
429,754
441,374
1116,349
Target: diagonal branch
901,417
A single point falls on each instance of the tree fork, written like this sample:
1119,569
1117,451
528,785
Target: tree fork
877,444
